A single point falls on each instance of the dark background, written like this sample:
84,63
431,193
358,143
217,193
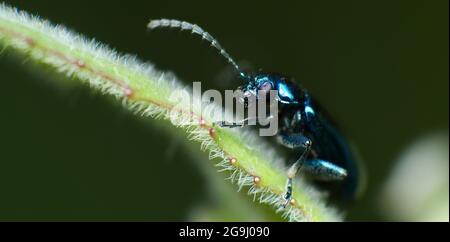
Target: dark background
379,67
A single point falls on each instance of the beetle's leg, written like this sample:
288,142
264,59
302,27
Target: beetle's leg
238,124
324,170
227,124
295,141
292,171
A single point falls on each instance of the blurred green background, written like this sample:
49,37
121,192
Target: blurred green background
66,153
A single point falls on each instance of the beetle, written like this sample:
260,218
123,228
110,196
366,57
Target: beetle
305,127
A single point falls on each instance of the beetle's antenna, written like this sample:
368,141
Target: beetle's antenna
195,29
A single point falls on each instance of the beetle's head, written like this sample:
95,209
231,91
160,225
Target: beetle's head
259,85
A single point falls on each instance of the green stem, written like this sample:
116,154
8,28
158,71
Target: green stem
146,91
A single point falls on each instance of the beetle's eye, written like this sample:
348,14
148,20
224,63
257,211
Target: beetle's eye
265,87
247,93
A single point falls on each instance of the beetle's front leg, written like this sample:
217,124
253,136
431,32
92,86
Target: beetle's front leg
295,141
238,124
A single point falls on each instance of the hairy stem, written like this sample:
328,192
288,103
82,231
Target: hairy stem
146,91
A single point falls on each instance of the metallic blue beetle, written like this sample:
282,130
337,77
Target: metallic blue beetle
322,151
304,126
